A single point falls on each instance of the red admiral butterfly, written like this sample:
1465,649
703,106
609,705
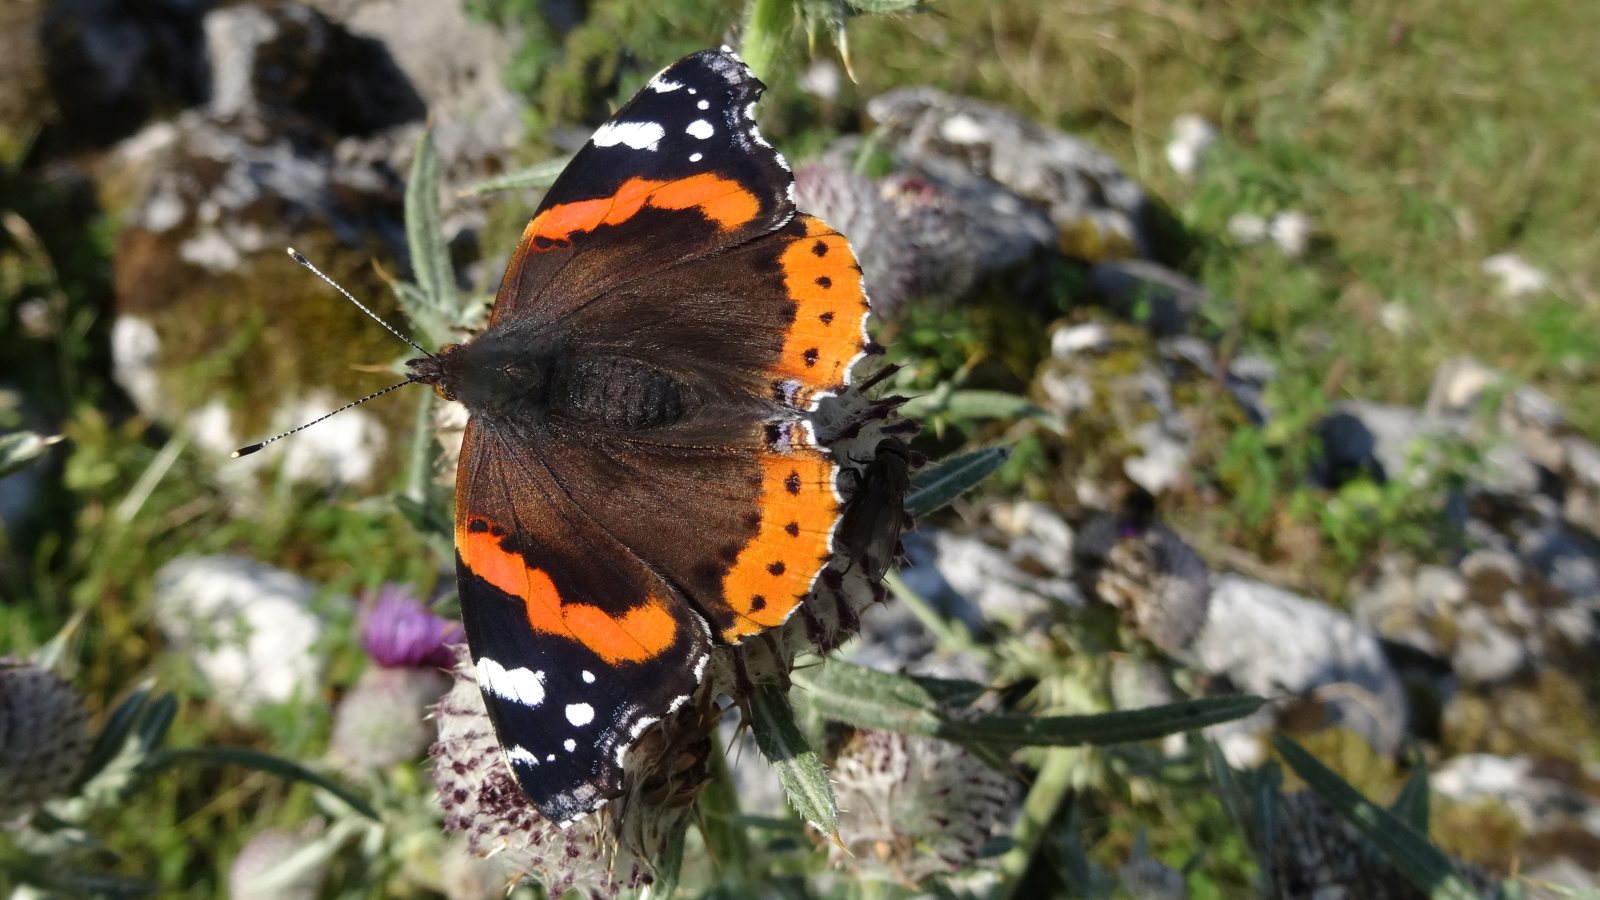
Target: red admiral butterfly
640,479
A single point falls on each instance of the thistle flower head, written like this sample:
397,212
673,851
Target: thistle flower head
398,631
913,807
44,738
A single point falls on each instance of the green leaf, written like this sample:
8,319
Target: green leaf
768,26
977,404
799,768
20,448
260,762
1413,804
718,812
113,735
537,176
871,699
937,486
1422,864
430,253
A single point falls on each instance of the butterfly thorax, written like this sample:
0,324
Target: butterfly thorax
508,377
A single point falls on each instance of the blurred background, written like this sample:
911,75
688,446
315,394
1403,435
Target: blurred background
1288,314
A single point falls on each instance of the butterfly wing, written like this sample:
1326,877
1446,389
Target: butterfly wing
680,172
578,645
736,504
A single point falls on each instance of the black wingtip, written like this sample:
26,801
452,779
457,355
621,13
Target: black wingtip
246,451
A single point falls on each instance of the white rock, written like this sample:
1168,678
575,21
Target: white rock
248,627
1069,342
1192,137
1514,276
1247,228
1292,232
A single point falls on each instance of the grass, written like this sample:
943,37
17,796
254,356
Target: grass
1421,137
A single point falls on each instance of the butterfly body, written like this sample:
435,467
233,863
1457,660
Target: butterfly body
640,479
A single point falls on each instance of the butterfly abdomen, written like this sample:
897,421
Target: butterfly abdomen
614,392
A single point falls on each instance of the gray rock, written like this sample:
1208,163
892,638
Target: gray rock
1486,653
1146,570
1374,439
1534,797
1268,641
1147,292
1092,203
112,67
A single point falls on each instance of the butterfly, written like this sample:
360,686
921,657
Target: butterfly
641,480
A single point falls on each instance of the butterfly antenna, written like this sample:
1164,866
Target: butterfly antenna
246,451
295,255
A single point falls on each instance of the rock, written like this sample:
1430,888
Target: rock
1486,653
1066,343
1098,211
1292,232
1246,379
909,234
1247,228
1120,420
1192,138
1511,780
1514,276
112,67
249,628
1268,641
1149,293
968,580
1381,441
453,60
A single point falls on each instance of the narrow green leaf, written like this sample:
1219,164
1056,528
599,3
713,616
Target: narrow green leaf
538,176
799,768
157,719
718,812
872,699
260,762
885,7
1422,864
113,734
430,253
20,448
937,486
976,404
1413,805
1050,787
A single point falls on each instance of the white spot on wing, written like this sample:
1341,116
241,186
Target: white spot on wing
663,86
520,685
638,135
580,713
700,128
696,157
639,726
520,754
588,677
570,744
704,104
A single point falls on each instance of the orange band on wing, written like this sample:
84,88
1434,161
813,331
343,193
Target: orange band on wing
723,201
821,276
773,572
642,633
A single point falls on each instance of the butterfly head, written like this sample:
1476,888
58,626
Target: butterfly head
490,375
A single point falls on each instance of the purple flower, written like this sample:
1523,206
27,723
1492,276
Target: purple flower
398,631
